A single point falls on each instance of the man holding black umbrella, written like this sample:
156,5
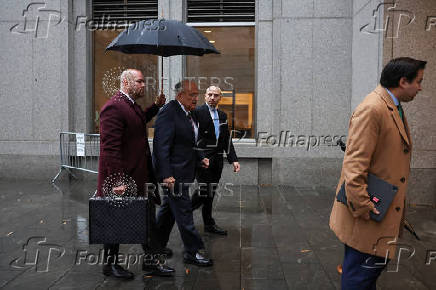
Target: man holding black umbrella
124,150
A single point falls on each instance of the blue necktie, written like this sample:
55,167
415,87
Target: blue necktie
216,122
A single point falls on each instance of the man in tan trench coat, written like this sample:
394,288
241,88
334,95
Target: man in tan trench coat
379,142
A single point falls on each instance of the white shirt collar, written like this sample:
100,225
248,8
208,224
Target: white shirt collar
183,108
195,125
396,102
211,108
127,96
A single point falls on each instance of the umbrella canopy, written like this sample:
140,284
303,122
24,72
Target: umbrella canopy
162,37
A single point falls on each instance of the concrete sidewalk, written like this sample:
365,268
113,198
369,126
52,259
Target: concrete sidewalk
278,239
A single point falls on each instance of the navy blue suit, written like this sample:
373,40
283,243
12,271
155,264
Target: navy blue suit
175,154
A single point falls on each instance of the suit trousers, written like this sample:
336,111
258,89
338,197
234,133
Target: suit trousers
176,207
204,195
360,270
208,180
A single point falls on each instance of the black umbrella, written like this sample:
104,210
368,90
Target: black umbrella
162,37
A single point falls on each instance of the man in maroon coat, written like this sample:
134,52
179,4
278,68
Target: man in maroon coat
124,151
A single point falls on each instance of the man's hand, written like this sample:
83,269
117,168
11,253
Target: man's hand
366,215
169,181
160,100
119,190
205,163
236,167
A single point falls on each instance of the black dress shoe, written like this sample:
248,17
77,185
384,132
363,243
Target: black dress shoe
167,252
215,230
158,270
198,260
117,271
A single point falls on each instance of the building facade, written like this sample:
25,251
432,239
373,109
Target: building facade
292,71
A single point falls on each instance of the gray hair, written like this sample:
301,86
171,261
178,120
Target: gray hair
126,75
180,86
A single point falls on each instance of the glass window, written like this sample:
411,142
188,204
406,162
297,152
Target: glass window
232,71
108,66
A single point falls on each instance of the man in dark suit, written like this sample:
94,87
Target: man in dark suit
124,150
175,160
214,138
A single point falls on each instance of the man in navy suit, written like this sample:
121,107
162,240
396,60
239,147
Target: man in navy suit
214,139
175,159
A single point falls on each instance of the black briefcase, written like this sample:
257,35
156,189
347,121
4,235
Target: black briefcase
120,221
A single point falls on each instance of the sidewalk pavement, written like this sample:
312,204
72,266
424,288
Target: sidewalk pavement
278,239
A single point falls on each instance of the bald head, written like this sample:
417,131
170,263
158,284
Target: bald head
132,82
213,96
187,94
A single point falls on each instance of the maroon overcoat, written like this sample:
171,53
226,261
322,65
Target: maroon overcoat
124,142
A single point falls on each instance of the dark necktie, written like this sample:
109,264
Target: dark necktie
400,111
192,121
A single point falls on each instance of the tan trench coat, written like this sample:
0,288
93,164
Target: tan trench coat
378,143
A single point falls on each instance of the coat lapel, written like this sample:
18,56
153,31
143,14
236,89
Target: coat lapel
184,117
395,114
208,117
135,108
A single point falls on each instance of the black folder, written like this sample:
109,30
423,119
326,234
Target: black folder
380,192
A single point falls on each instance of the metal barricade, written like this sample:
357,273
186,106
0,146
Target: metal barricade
78,151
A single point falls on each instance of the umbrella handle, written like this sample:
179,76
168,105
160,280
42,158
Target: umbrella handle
161,75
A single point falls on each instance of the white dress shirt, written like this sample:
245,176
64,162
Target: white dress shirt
133,101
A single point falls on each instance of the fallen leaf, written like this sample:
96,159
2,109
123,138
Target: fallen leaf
305,251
